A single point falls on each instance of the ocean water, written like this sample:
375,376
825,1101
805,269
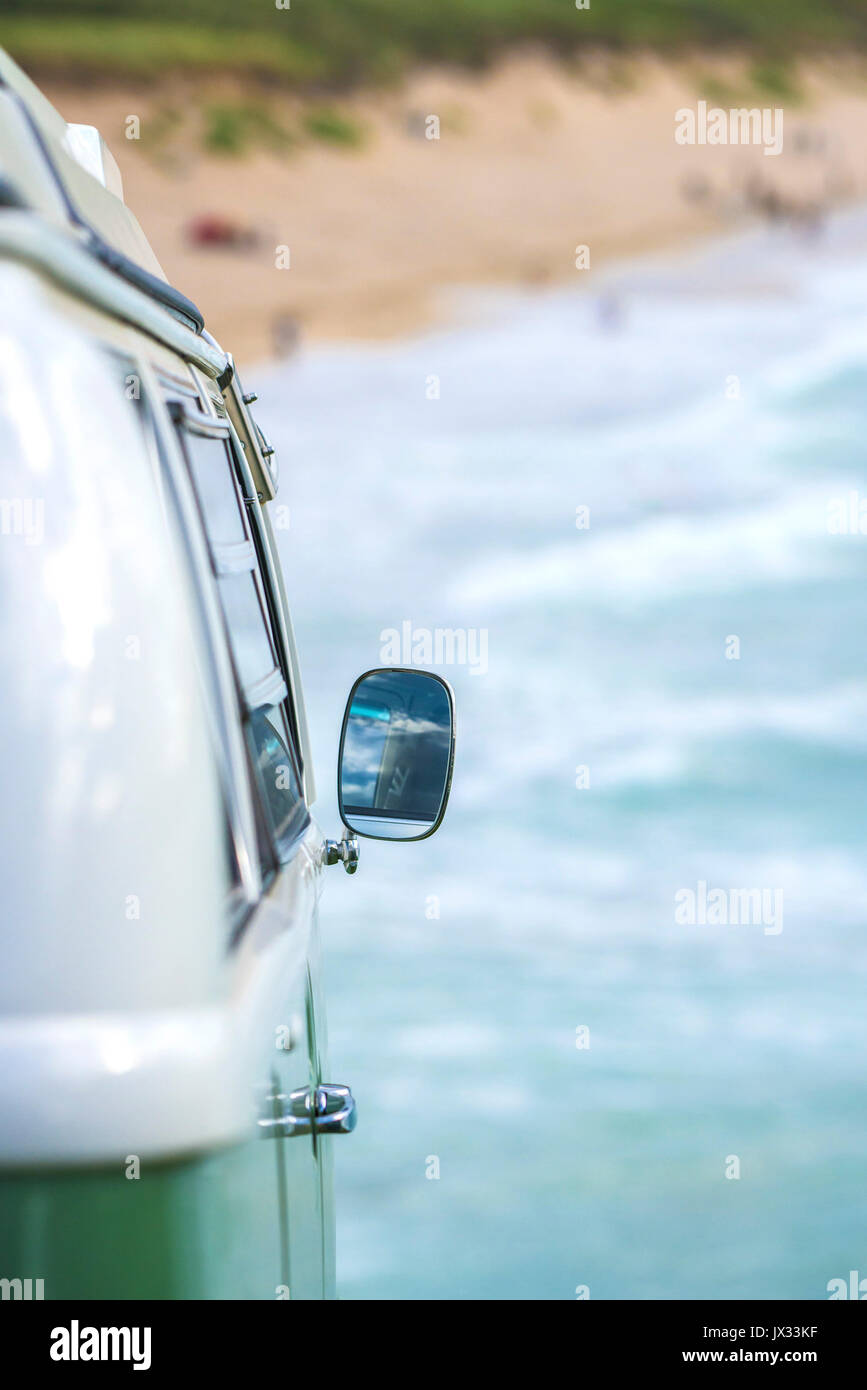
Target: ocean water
709,411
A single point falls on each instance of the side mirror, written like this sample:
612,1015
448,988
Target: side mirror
397,750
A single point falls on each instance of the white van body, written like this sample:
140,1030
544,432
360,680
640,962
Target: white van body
160,996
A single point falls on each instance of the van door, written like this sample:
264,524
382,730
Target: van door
227,507
298,1155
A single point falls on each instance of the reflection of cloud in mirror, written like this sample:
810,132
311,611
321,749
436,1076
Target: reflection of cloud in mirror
397,765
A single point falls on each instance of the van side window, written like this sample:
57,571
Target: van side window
216,489
237,896
208,449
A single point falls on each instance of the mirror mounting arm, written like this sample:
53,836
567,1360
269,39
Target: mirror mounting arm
343,851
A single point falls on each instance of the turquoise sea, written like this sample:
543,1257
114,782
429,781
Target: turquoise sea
711,413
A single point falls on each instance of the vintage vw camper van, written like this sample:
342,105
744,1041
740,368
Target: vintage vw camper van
167,1114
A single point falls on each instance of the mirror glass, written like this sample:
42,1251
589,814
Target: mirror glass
396,755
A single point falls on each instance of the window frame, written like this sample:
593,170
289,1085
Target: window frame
179,505
274,687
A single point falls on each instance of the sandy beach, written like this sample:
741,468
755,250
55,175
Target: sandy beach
534,159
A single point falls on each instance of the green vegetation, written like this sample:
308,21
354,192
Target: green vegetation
324,123
339,43
774,81
231,129
770,80
75,46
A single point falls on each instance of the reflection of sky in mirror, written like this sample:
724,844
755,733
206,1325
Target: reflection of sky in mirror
362,760
395,762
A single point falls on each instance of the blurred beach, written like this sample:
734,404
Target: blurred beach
374,226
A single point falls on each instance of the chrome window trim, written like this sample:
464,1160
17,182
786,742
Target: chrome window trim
275,597
282,631
233,559
286,637
270,690
185,389
208,425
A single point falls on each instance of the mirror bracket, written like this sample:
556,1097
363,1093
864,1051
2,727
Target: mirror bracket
343,852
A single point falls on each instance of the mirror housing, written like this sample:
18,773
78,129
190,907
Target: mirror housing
397,750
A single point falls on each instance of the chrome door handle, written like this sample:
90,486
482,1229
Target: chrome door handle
340,1114
329,1110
